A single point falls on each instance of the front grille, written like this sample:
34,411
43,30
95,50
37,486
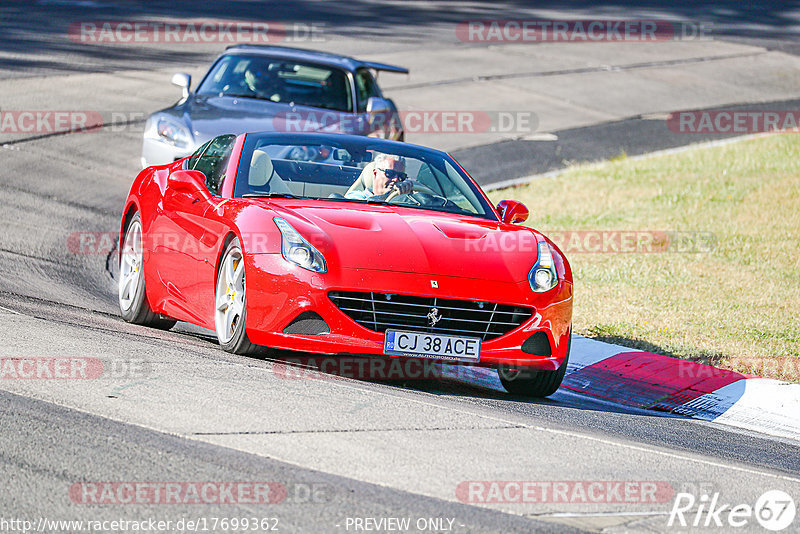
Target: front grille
382,311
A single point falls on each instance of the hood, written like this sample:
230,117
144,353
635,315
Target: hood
416,241
209,116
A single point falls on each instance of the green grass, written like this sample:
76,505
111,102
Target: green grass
737,306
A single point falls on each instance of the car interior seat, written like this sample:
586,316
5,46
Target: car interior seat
364,180
262,174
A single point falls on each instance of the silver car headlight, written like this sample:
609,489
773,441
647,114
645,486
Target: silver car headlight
543,276
171,132
297,250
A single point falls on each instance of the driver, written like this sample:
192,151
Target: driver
262,80
389,173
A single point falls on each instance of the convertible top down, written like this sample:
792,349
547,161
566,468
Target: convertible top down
287,241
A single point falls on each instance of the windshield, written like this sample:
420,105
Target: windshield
279,80
357,172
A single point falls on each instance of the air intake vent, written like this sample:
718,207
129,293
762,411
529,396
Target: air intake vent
537,344
381,311
307,323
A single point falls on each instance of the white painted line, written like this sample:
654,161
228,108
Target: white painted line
600,514
540,136
655,116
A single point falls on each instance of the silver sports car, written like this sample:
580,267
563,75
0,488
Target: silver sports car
252,88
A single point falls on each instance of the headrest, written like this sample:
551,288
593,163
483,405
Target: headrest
261,169
367,174
364,180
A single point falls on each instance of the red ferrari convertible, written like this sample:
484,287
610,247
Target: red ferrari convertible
340,244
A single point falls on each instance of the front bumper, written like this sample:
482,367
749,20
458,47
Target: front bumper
277,292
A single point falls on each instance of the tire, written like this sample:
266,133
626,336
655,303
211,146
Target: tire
230,302
131,292
527,383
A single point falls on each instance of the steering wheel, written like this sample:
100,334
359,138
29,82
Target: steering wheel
418,188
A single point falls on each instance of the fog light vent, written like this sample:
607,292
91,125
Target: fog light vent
537,344
307,323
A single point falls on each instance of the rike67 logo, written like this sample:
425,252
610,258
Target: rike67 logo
775,510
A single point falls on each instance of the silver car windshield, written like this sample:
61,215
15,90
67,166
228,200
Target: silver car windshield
352,174
279,80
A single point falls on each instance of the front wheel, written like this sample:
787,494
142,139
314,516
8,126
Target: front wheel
131,291
527,383
230,304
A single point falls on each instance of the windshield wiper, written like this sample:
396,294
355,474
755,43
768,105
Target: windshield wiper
252,97
269,195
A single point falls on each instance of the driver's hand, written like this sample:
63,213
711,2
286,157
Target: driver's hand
404,187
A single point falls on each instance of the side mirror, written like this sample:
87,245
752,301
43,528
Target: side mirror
189,182
182,80
377,106
512,212
382,114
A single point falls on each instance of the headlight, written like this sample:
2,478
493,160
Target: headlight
543,275
173,133
297,250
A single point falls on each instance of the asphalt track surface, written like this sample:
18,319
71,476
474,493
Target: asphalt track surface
370,449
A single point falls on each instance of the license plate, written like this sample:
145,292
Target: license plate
436,346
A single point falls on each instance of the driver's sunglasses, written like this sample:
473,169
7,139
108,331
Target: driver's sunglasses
391,173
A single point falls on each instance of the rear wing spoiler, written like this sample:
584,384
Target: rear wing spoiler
385,67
